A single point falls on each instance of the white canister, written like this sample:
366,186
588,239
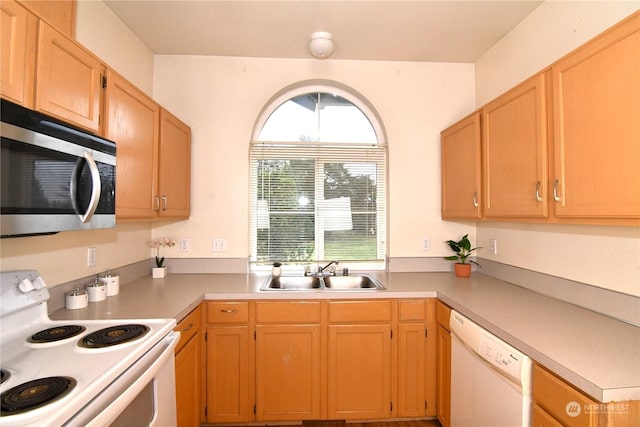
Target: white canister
112,282
76,299
97,291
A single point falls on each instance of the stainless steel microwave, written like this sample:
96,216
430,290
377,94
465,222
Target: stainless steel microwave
53,176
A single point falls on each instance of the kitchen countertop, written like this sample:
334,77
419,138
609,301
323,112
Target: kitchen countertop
598,354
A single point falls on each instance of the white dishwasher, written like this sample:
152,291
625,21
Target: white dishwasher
490,380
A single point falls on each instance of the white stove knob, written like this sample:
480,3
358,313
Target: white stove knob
39,283
26,285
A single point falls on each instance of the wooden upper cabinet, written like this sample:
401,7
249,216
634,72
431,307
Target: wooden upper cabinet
514,152
69,80
596,93
18,61
174,166
133,122
461,195
61,14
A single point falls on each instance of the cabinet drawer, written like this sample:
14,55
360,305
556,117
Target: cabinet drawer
409,310
442,315
188,327
359,311
228,312
561,400
540,418
288,312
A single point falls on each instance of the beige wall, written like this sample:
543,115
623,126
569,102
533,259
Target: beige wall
607,257
221,97
104,34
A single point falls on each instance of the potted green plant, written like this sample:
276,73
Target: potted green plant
463,250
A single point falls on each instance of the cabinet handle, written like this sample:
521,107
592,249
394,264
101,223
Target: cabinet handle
475,199
538,195
188,328
556,197
156,203
164,203
229,310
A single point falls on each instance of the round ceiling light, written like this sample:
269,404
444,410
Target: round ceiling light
321,45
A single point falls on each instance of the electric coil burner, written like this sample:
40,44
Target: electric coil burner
113,336
89,373
34,394
4,375
57,333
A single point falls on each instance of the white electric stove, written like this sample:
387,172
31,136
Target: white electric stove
90,372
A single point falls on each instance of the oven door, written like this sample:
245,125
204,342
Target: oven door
144,395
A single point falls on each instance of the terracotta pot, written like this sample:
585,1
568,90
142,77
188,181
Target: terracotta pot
463,270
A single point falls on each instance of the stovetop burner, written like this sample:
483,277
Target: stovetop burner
56,333
34,394
4,375
113,336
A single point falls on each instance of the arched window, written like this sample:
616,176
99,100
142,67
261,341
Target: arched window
318,172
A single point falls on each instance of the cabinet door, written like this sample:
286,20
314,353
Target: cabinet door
461,196
287,372
188,383
18,55
443,383
596,95
228,374
133,123
174,172
61,14
514,152
411,369
359,369
69,80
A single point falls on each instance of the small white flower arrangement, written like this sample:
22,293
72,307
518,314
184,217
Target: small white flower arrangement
159,243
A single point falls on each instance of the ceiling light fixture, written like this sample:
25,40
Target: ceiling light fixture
321,45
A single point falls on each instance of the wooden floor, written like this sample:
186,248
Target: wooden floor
372,424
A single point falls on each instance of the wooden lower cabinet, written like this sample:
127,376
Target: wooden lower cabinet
188,365
416,358
229,360
359,365
288,360
557,403
293,360
443,370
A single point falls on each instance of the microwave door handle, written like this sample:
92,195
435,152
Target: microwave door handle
95,184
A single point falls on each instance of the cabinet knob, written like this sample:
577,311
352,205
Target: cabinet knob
164,203
475,199
538,195
156,203
229,310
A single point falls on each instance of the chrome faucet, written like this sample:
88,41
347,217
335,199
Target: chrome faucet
322,269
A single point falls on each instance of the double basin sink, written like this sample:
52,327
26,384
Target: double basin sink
354,282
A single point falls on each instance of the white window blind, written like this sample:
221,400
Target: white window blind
315,201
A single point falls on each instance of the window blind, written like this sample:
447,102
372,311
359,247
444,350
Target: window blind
317,201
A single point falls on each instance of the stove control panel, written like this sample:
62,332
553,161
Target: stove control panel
20,289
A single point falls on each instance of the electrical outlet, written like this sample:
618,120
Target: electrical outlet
426,244
91,257
219,245
184,245
493,247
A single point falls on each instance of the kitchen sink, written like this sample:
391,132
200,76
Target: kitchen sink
292,283
355,282
361,281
